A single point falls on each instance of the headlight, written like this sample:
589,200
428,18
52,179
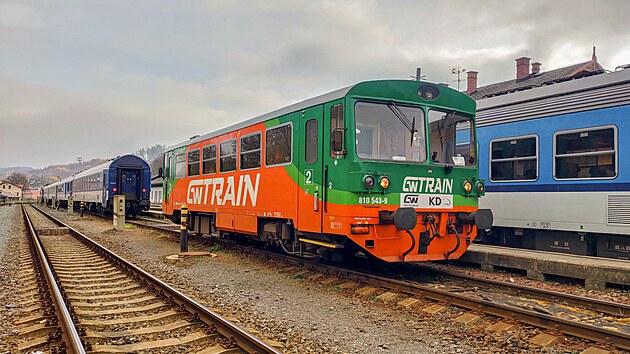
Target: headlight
468,186
368,181
384,182
480,187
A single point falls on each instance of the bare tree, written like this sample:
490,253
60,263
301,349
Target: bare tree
19,178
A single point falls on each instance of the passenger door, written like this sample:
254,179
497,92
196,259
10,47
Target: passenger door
129,184
310,170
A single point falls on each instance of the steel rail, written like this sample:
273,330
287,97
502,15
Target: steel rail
573,328
244,339
69,332
604,306
537,319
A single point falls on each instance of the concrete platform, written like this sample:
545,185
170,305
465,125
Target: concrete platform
597,273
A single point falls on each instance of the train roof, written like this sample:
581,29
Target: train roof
327,97
125,159
273,114
588,93
54,184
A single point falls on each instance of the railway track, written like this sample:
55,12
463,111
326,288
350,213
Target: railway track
604,322
102,303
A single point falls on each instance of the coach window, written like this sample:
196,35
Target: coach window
193,163
228,156
514,159
250,151
278,145
586,153
209,159
310,147
180,166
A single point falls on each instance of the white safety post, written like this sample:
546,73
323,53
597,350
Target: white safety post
119,212
70,205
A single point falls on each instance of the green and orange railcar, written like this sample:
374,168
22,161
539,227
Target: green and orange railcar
384,167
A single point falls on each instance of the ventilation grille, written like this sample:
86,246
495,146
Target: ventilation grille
619,209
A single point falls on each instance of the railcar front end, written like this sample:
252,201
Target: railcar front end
404,185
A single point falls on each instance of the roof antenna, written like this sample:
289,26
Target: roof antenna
457,71
419,76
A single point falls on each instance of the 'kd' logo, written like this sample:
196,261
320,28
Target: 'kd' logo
411,199
435,201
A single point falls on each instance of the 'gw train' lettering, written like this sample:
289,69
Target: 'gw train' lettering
428,185
223,191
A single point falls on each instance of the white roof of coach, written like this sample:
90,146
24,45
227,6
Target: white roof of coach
585,94
100,167
273,114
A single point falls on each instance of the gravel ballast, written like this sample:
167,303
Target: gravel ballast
307,316
303,316
11,229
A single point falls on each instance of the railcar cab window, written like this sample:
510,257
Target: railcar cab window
278,144
209,159
250,151
586,153
180,166
514,159
193,163
383,131
452,139
227,150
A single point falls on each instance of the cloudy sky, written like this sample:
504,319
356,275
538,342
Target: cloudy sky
104,78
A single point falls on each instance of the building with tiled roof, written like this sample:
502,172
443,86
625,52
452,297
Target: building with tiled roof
526,79
10,190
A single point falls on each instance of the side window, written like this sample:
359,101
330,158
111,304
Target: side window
228,156
193,163
587,153
278,145
250,151
514,159
209,159
311,138
166,165
336,123
180,166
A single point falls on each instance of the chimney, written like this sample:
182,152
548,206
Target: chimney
536,68
522,68
471,82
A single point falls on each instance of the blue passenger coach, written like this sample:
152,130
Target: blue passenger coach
127,175
557,164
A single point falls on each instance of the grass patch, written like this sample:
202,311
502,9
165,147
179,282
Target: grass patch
374,299
130,226
214,248
297,276
335,288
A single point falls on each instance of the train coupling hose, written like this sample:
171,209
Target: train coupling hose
453,229
413,245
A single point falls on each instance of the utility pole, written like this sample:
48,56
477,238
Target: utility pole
79,160
419,75
457,71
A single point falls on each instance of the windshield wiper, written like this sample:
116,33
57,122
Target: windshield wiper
411,126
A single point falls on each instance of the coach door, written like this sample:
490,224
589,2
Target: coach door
129,181
310,176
